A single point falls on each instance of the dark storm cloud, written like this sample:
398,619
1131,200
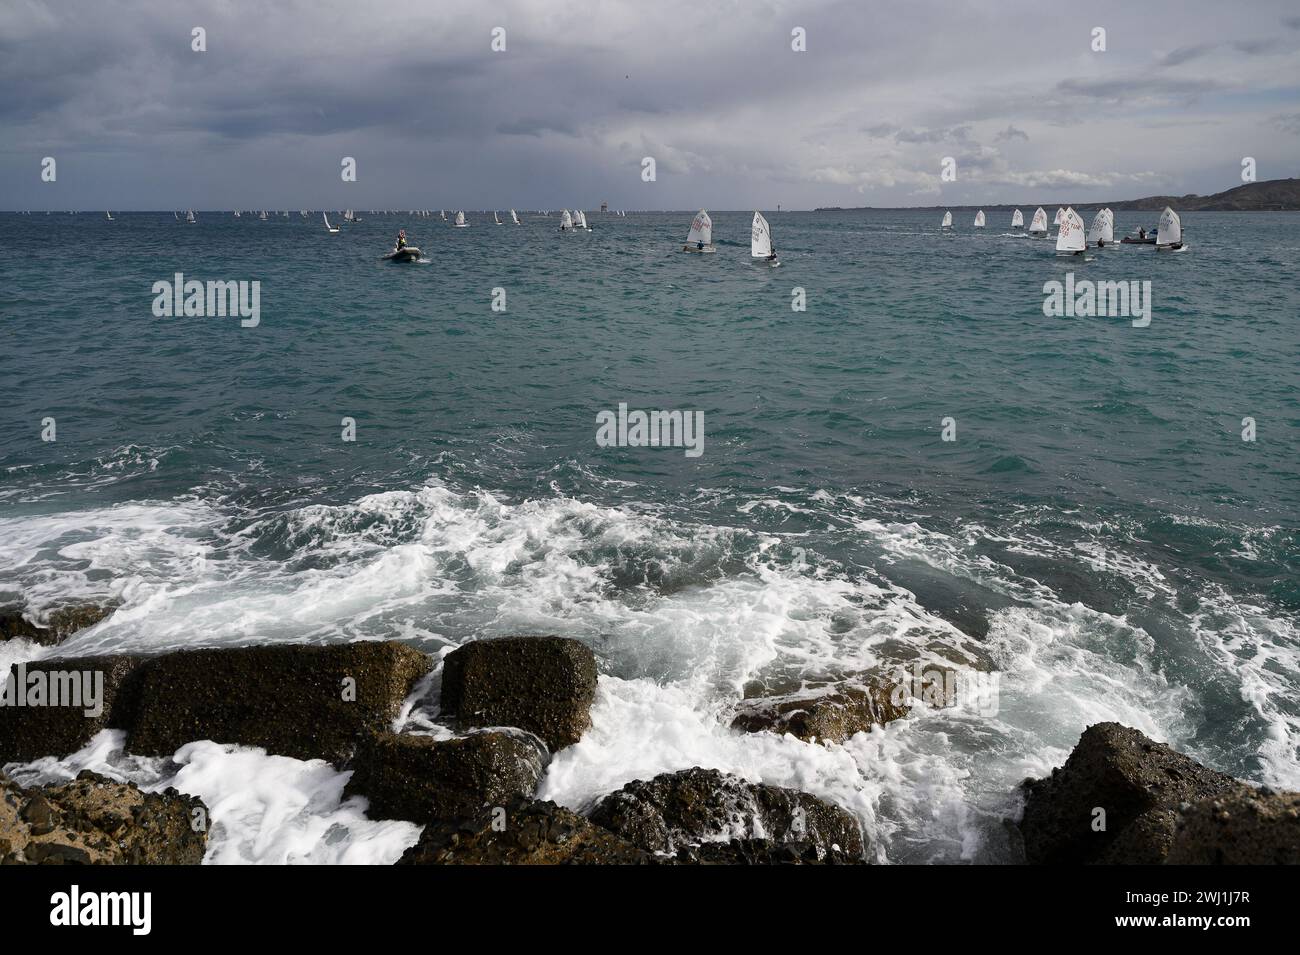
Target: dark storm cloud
714,92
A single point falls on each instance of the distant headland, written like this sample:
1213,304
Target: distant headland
1276,195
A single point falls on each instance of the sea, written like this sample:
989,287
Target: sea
900,448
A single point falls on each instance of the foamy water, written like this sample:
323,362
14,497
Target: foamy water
682,618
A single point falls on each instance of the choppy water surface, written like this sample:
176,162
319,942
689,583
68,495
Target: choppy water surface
1099,526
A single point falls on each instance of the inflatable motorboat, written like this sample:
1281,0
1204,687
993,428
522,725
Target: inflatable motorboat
406,254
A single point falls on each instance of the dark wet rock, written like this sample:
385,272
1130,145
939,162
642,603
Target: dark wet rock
523,832
1244,826
697,806
541,684
310,702
1140,785
762,852
95,820
829,714
424,779
30,732
59,624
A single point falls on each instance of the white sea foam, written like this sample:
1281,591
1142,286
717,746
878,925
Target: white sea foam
261,809
684,619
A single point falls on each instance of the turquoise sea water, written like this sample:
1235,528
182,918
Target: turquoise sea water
1098,527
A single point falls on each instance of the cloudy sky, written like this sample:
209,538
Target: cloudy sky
1010,89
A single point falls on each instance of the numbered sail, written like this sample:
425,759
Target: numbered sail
979,219
701,229
760,238
1017,220
1102,228
1170,230
1071,237
1039,222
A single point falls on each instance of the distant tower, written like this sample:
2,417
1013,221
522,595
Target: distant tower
604,207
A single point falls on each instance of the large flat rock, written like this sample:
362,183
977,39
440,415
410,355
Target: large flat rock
425,779
541,684
310,702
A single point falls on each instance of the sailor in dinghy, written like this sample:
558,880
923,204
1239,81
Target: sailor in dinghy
1169,234
700,238
1102,231
760,241
1017,220
1038,225
402,252
1071,237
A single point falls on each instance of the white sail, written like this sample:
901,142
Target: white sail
460,220
566,221
947,220
701,229
189,216
1017,220
1170,230
760,238
514,217
332,229
1059,214
580,220
1039,222
1102,229
109,214
496,217
1071,237
979,219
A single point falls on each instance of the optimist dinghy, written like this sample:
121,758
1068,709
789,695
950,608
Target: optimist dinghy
700,238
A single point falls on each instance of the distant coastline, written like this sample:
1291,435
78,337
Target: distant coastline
1276,195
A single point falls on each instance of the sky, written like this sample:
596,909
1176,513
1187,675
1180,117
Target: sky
1012,91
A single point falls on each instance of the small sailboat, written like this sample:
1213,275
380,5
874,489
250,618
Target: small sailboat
460,222
514,217
263,215
979,219
947,221
237,213
443,213
1059,213
189,216
1169,234
1071,237
331,229
580,221
1017,220
760,240
1038,225
700,238
496,217
109,215
566,222
1102,231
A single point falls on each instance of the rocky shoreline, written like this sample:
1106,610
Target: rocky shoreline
515,701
